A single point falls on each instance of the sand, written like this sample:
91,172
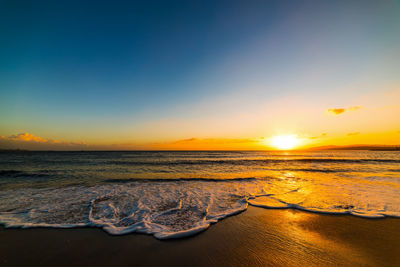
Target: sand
253,238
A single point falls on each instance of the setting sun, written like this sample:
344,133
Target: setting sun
285,142
163,118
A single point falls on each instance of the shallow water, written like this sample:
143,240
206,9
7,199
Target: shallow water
175,194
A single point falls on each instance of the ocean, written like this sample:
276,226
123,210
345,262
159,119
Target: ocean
173,194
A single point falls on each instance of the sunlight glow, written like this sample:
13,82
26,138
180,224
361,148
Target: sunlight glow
285,142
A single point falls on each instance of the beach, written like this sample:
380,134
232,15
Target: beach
200,133
284,237
205,208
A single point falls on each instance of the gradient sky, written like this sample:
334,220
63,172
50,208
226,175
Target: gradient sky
198,74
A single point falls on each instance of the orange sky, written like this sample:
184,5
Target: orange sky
370,119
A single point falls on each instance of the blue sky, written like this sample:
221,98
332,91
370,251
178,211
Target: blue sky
121,70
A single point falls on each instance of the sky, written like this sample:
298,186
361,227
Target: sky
198,74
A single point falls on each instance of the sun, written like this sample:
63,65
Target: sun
285,142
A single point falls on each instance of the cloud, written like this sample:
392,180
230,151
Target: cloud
27,137
316,137
338,111
30,141
189,140
215,141
355,133
209,143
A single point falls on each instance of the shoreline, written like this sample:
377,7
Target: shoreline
257,236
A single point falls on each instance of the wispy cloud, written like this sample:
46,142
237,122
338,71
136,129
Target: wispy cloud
355,133
188,140
320,136
30,141
209,143
338,111
215,141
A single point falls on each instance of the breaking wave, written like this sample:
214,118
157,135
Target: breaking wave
178,208
177,194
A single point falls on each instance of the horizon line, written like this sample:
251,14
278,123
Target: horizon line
314,148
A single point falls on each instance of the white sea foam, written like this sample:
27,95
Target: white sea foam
175,209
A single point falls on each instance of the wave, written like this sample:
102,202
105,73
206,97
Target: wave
311,170
250,161
333,170
176,161
129,180
22,174
179,208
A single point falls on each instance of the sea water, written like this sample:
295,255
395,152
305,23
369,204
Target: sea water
177,194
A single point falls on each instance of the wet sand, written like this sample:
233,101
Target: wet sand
253,238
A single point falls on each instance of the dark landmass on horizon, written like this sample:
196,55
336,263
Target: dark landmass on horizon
359,147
